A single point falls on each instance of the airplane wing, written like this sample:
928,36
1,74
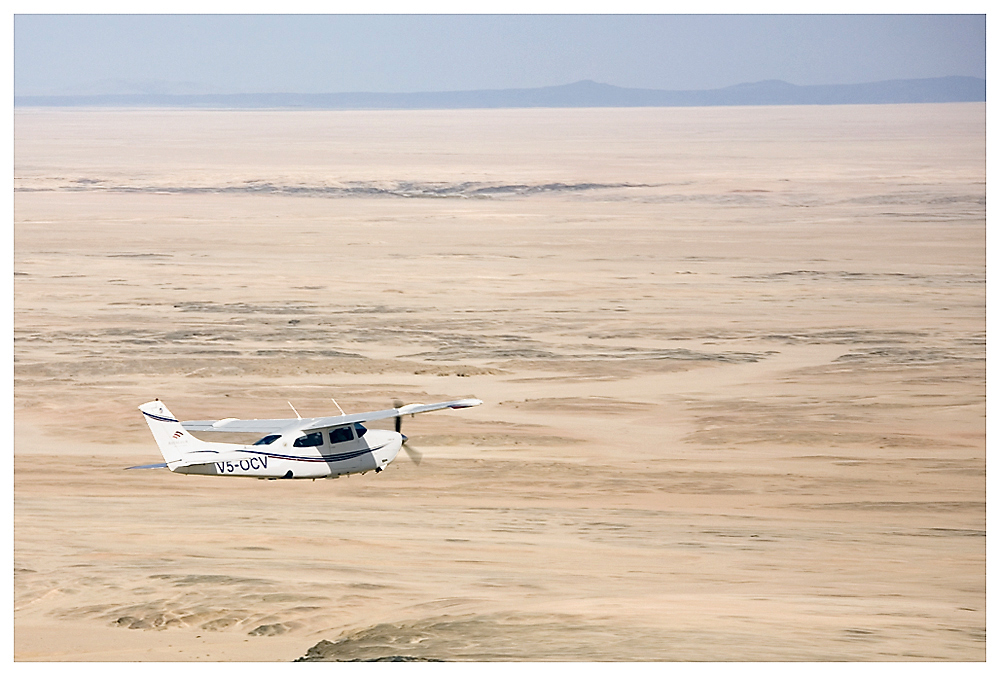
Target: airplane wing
237,425
275,426
409,409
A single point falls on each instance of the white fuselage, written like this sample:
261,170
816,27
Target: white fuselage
292,448
301,455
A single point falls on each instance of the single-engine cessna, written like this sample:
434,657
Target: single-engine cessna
291,448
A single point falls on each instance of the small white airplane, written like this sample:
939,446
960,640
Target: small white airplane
292,448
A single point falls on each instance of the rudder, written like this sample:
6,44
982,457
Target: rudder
168,433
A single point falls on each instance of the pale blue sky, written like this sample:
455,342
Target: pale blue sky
71,54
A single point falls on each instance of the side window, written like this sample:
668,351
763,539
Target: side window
340,434
311,439
360,429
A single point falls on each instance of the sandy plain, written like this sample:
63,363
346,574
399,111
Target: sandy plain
733,365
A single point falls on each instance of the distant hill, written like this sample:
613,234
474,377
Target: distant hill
583,94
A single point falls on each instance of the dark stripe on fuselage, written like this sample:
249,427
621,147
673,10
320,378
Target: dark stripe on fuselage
335,457
159,417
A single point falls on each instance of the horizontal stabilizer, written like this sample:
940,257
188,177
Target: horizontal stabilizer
155,465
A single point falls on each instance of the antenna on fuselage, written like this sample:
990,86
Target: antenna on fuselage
338,406
296,412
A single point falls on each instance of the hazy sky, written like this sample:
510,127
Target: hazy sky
67,54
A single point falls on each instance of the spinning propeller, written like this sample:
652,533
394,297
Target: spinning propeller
415,455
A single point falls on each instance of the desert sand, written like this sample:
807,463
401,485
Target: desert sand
732,360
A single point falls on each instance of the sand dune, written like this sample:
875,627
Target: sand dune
732,360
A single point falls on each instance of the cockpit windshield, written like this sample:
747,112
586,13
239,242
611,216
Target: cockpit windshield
360,429
269,439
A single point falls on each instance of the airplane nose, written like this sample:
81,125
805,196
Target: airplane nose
395,442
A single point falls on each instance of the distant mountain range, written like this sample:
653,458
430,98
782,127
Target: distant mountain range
583,94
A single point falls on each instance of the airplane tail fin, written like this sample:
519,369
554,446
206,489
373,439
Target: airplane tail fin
173,440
